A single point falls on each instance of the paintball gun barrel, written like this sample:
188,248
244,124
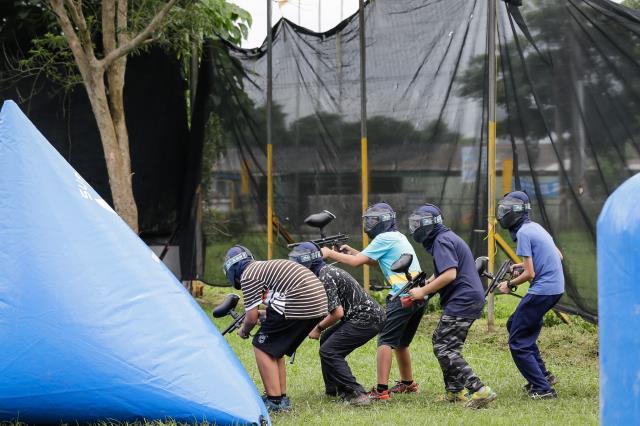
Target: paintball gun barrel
504,273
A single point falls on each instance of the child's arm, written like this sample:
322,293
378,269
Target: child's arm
333,317
434,285
250,320
528,273
348,259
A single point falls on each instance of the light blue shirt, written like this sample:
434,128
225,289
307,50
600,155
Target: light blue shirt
386,248
535,242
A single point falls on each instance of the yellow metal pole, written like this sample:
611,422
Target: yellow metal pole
492,29
507,175
269,201
365,203
363,131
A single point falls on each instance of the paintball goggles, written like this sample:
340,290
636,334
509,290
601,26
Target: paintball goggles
320,220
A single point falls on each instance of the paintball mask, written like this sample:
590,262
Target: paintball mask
377,219
235,261
421,225
511,210
305,254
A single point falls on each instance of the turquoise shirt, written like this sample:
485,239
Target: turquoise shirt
386,248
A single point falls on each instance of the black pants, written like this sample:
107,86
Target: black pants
335,344
448,342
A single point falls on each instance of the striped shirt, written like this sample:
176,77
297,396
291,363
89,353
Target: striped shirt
291,289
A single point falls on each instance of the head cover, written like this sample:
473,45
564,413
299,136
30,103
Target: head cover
308,254
513,211
235,262
422,222
379,218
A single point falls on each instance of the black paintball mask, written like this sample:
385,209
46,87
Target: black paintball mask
308,255
235,262
379,218
512,209
422,222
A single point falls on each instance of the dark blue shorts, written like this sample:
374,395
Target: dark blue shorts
401,323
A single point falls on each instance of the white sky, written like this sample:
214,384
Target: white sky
302,12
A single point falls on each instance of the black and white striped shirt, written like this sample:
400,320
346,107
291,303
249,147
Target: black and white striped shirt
291,289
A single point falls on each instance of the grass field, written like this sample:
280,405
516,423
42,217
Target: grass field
571,352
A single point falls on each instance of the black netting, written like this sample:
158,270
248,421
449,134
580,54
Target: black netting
567,121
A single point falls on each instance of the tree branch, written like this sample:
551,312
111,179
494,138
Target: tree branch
141,37
108,26
75,11
70,35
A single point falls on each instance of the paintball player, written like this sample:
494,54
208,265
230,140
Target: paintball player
462,298
360,319
296,301
387,245
542,267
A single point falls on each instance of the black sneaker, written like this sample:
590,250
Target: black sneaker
550,394
551,379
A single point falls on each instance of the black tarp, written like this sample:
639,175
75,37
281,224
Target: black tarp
568,118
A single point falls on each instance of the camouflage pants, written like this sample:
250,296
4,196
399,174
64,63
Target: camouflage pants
448,341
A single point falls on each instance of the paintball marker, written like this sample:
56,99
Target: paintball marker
227,307
504,273
320,220
402,265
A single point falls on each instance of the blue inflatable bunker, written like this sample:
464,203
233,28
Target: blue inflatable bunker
619,305
92,325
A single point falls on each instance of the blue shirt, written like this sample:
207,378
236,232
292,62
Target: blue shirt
464,296
386,248
535,242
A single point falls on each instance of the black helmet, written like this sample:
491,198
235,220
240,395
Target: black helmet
235,261
379,218
512,208
306,254
422,221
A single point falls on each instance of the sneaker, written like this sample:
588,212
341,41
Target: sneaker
357,400
403,388
459,396
481,398
285,403
272,407
376,395
551,379
550,394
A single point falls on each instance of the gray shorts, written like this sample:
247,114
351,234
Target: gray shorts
401,323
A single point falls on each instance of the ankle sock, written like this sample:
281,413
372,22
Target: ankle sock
275,399
407,382
381,388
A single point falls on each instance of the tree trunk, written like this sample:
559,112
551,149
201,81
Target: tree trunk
116,155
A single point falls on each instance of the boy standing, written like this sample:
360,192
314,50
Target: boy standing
462,298
542,267
387,245
296,301
360,319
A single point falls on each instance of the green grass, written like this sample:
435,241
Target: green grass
571,352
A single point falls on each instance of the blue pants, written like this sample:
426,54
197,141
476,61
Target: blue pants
524,328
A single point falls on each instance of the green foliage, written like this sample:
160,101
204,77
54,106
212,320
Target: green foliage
220,226
50,57
634,4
